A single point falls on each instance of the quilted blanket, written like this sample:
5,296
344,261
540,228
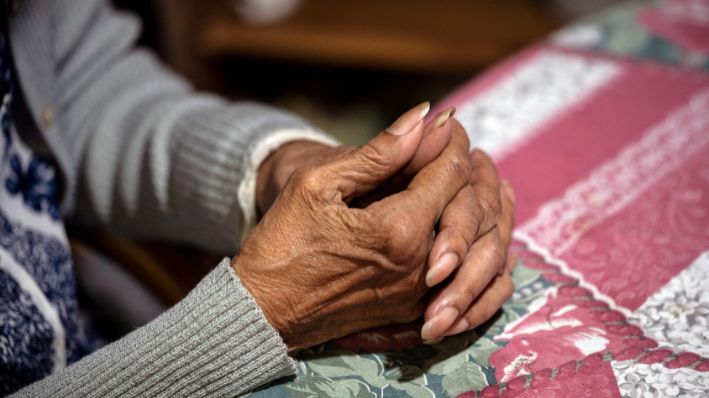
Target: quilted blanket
610,162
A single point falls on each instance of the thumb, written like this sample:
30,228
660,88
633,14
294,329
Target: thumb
370,165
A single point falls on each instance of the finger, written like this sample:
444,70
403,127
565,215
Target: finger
437,134
486,184
435,185
366,167
471,214
456,234
506,222
485,306
486,258
480,266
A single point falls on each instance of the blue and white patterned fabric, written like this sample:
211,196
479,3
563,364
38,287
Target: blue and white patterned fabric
39,331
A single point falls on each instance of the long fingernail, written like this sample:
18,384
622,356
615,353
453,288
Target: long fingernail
439,323
406,122
507,189
461,326
436,274
443,117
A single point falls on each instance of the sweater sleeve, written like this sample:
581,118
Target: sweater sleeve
156,159
214,343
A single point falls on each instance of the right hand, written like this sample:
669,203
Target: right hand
320,269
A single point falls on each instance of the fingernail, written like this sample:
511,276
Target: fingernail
436,274
406,122
443,117
439,323
461,326
507,189
434,341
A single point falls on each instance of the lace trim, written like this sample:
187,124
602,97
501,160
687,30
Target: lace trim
678,314
560,222
643,350
654,380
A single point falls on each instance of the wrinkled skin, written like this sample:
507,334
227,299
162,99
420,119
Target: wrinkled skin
348,242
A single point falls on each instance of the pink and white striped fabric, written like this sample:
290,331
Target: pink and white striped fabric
610,163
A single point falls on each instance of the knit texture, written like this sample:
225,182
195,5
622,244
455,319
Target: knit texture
144,154
214,343
140,151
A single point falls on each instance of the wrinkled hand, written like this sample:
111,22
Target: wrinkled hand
472,241
278,167
320,269
471,244
472,238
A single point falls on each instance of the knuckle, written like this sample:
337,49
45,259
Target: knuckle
459,241
510,214
469,292
459,169
499,257
308,179
513,221
406,253
461,296
373,156
477,218
404,228
459,133
495,256
482,159
490,205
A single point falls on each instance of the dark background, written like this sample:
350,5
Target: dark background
350,67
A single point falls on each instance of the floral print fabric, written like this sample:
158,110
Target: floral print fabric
39,329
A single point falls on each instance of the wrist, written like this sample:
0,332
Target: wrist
258,292
272,303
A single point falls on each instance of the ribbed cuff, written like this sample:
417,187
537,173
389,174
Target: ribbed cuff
256,156
216,342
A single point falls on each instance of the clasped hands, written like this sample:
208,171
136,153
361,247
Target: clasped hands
410,224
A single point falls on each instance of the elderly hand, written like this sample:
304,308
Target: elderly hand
472,241
278,167
472,238
320,269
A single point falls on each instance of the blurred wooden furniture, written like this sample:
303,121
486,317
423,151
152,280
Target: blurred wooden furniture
169,271
439,36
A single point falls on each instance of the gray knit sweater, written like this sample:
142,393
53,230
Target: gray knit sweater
141,152
214,343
